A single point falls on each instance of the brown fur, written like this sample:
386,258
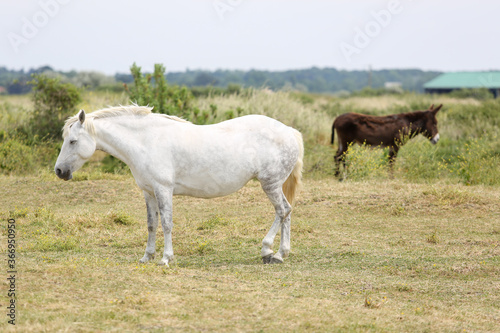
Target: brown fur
384,131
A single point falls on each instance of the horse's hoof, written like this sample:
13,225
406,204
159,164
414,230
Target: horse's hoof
267,259
163,262
276,259
146,258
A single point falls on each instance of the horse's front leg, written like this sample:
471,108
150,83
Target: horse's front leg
164,199
152,216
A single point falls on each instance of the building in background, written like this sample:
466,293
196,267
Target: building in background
449,82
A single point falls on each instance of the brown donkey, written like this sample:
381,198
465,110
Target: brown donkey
384,131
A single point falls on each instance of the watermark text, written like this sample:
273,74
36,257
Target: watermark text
31,26
11,271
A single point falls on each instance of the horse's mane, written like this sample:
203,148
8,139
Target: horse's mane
115,111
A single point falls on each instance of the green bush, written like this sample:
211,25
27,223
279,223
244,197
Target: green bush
477,93
53,101
152,90
417,160
15,156
364,162
20,156
111,164
476,163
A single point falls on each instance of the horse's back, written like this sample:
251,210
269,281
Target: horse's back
253,122
252,129
223,157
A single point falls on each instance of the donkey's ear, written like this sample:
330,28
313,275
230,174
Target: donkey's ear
437,109
81,116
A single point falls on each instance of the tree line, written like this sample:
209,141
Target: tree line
314,80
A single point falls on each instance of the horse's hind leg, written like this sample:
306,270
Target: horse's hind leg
282,219
152,212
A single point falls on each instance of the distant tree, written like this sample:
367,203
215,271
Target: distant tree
92,80
17,87
205,79
255,78
125,78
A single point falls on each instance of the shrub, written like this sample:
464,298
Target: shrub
477,162
152,90
417,160
15,156
363,162
477,93
54,102
21,156
111,164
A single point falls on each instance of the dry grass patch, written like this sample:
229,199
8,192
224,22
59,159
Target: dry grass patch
361,259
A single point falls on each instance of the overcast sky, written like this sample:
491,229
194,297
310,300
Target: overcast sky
109,35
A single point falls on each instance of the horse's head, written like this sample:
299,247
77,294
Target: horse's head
430,124
77,148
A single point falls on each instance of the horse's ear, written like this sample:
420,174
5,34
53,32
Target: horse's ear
437,109
431,108
81,116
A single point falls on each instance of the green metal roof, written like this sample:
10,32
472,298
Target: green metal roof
490,80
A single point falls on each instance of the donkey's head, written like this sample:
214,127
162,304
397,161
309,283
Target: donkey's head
77,148
430,123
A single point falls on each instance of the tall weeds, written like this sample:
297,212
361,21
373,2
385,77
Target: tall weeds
468,152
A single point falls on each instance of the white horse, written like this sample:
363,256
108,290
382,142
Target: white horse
171,156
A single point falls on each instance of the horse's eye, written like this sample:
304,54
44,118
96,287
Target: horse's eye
72,142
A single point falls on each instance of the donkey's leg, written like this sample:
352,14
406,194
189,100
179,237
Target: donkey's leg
340,156
152,212
393,153
164,199
282,219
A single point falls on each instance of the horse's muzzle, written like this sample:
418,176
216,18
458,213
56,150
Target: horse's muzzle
435,139
63,174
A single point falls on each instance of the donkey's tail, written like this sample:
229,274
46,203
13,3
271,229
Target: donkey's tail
294,181
333,133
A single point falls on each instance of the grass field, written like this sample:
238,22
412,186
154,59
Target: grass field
366,256
417,253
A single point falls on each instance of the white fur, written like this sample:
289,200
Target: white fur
170,156
435,139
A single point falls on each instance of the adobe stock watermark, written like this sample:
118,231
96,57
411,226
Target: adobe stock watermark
31,26
11,272
222,7
363,36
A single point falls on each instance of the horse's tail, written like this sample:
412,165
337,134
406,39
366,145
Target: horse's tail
294,181
333,133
